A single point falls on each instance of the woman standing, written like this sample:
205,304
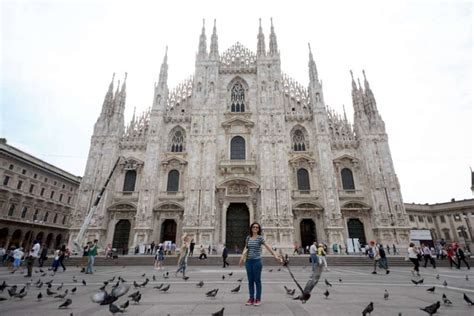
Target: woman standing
183,257
413,256
159,257
253,264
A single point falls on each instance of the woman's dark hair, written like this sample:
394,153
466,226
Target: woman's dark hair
412,244
259,228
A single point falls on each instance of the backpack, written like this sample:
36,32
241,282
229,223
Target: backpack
381,252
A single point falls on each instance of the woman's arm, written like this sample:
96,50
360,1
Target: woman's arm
274,254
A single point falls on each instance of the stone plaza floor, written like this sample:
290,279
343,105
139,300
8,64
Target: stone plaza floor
348,296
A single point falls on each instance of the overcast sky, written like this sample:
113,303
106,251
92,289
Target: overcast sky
57,59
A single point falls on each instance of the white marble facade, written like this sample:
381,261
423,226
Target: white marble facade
244,138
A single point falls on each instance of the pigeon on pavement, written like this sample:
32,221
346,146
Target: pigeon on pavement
369,309
219,313
468,299
327,282
66,303
326,294
417,282
431,309
431,289
385,294
114,309
212,293
200,284
446,301
236,290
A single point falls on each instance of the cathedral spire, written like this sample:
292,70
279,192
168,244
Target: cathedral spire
261,40
202,53
273,40
109,96
313,71
354,86
162,81
214,50
369,94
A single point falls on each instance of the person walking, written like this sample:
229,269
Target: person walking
44,255
62,255
451,255
428,256
374,254
18,255
30,260
253,262
313,255
91,257
225,254
203,255
183,257
85,256
322,257
159,257
383,262
461,257
394,249
413,257
191,247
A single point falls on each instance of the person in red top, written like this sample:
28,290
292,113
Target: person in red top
451,256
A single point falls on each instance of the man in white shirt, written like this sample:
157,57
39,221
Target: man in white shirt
34,253
313,254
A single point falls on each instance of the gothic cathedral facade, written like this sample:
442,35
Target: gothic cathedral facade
237,142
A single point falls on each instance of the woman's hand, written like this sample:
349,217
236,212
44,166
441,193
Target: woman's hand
278,258
241,263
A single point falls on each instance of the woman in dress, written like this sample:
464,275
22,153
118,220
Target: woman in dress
413,257
183,256
253,263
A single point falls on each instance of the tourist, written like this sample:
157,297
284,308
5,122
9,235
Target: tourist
253,262
394,249
191,247
159,257
450,253
313,255
461,257
85,256
91,257
30,260
55,264
295,249
2,254
427,255
108,251
388,249
225,254
322,257
412,254
62,255
183,257
17,258
43,256
383,262
152,248
203,255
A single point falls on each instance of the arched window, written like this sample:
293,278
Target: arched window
35,215
173,181
303,179
347,179
298,140
64,219
237,148
11,210
24,211
237,98
45,218
177,140
129,182
55,218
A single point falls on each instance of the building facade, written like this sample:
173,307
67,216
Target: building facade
36,200
451,221
241,141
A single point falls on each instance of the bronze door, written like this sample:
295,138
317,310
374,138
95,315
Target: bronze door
168,231
356,230
121,235
308,232
237,227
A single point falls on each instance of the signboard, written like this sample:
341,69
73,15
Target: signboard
420,234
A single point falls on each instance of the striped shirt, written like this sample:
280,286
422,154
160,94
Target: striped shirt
255,247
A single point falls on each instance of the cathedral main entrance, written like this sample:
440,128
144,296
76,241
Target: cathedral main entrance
308,232
356,230
168,231
237,227
121,235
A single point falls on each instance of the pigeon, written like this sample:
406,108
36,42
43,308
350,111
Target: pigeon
145,283
49,285
468,299
467,278
279,269
41,270
385,294
417,282
84,282
103,298
114,309
219,313
143,275
66,303
74,290
74,279
49,292
111,280
39,297
437,277
39,285
60,287
340,280
105,283
240,280
21,295
158,286
185,278
327,282
369,309
288,291
125,305
223,277
166,275
270,270
134,294
236,290
102,288
43,274
292,292
446,301
61,296
431,309
4,285
22,290
445,283
165,288
136,285
154,277
431,289
122,280
137,299
306,292
230,274
49,282
212,293
200,284
326,294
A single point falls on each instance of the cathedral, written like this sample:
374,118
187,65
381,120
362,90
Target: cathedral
241,141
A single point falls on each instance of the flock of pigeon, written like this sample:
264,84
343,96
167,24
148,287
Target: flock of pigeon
117,287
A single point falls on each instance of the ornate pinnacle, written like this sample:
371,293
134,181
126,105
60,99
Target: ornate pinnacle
261,40
273,40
